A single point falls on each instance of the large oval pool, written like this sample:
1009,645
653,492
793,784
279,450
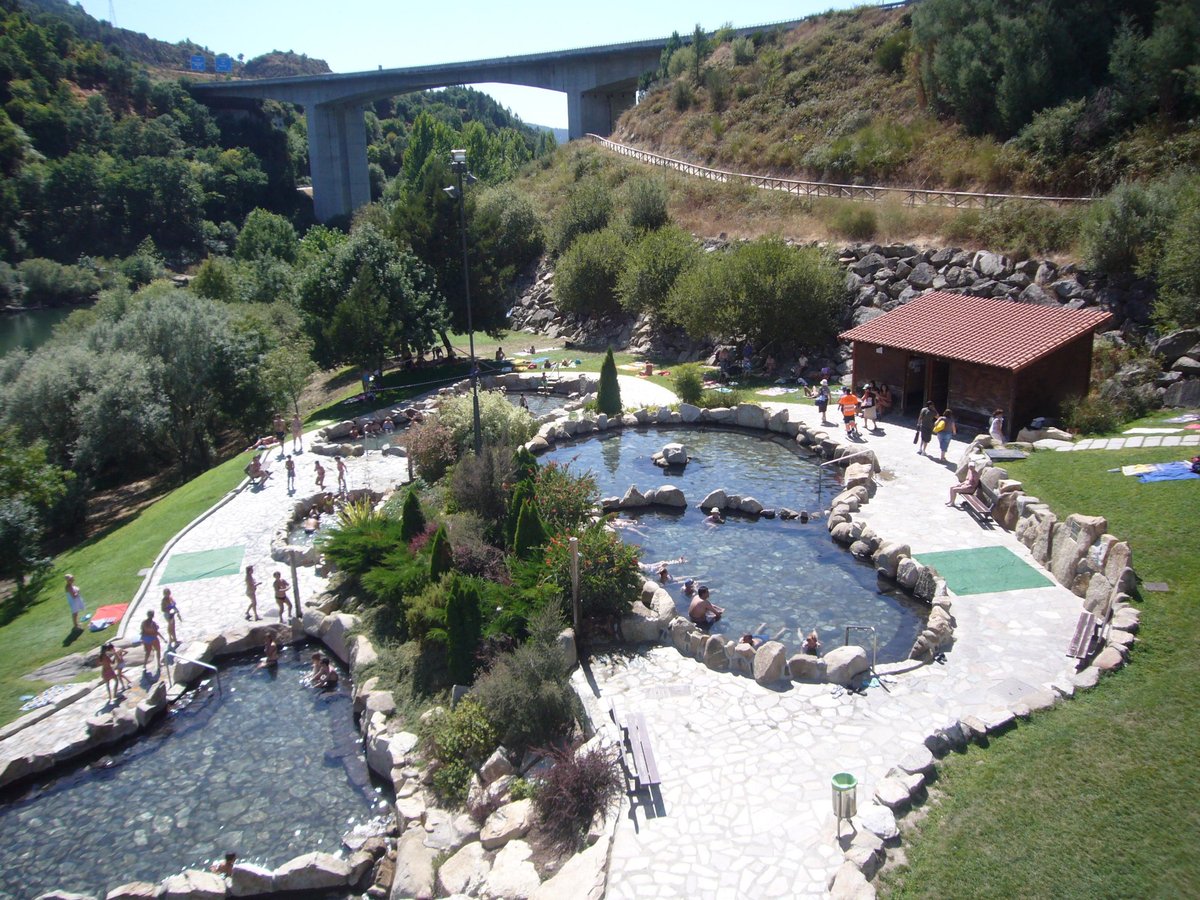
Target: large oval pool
265,768
774,578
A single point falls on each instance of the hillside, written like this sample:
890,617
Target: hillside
944,94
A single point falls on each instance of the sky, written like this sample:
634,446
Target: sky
356,35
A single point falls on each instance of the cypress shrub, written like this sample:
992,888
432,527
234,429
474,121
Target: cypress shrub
524,464
412,520
441,555
522,492
464,628
608,401
531,534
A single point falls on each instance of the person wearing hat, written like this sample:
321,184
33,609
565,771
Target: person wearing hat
822,400
714,517
703,612
689,587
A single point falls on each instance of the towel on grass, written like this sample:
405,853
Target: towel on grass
1172,471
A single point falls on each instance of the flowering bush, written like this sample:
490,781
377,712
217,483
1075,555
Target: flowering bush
501,423
565,500
609,578
433,448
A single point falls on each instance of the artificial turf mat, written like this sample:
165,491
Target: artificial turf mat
984,570
203,564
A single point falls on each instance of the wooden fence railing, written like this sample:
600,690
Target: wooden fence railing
872,193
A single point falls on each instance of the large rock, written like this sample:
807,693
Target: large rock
193,885
669,495
1176,344
496,766
249,880
134,890
992,265
713,654
674,454
843,664
508,823
717,498
804,667
465,871
312,872
749,415
749,506
633,498
1185,394
689,413
888,557
414,867
513,876
582,877
1072,539
770,663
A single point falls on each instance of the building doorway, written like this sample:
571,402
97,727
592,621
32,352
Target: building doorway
938,387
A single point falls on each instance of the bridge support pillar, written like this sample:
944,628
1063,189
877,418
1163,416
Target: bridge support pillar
596,111
337,155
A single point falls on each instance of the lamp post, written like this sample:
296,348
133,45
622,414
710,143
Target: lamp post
458,162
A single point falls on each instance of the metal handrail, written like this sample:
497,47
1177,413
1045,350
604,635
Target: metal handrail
172,655
874,640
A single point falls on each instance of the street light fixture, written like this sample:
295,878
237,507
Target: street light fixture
458,162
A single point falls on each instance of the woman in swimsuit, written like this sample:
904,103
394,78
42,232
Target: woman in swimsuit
108,674
171,610
118,659
150,641
251,594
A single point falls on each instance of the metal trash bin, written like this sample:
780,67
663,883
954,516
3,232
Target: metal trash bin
845,796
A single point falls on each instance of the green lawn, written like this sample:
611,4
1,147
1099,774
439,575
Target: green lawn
106,569
1100,796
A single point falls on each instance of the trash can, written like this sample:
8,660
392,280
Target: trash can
845,795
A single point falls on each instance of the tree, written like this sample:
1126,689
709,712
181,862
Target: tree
441,555
1178,275
464,628
530,534
586,276
412,520
645,203
652,265
29,486
588,208
20,540
608,399
265,234
285,372
521,493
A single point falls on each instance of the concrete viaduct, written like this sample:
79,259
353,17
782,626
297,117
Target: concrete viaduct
600,84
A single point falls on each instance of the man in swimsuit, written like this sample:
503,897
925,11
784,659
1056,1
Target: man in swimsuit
281,597
150,642
320,469
278,427
702,611
251,594
270,652
290,467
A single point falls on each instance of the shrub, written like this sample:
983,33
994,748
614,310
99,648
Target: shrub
441,555
390,588
51,283
579,785
357,550
412,520
514,230
501,423
682,60
524,464
609,577
479,485
1024,229
608,397
530,533
1119,231
718,84
743,50
645,201
855,221
1093,415
1178,274
462,740
464,628
889,55
588,208
585,278
717,400
522,492
433,449
652,264
689,383
425,615
681,94
565,500
526,694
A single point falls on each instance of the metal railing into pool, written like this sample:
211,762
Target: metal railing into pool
830,462
874,640
172,655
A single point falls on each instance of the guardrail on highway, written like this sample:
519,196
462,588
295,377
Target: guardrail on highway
872,193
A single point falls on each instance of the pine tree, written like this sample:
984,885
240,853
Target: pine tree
522,492
464,628
412,520
531,533
441,555
524,464
608,400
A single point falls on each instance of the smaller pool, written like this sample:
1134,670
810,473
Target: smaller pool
538,404
298,537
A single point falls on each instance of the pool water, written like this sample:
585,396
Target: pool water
774,578
266,768
538,404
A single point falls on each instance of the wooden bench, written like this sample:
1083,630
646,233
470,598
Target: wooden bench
1087,632
980,502
638,738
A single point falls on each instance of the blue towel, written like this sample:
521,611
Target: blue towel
1173,471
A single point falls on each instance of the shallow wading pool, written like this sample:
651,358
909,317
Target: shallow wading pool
538,404
266,768
774,578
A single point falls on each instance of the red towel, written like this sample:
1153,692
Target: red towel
113,611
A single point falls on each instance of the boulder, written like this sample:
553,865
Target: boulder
868,265
770,663
674,454
193,884
633,498
249,880
512,876
446,832
843,664
749,415
1185,394
312,872
508,823
804,667
668,495
496,766
749,506
689,413
713,654
879,820
134,890
888,557
414,867
850,884
465,871
582,877
892,793
1072,539
717,498
566,640
1176,344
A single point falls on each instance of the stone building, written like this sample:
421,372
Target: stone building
977,354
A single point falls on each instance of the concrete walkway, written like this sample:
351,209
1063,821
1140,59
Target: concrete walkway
1135,441
746,807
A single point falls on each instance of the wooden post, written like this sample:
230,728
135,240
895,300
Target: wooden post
297,613
576,610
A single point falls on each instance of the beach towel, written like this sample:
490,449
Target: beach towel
778,391
107,615
1151,431
1172,471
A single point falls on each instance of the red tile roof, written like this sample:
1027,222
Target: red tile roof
984,330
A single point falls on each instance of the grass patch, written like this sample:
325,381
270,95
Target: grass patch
1098,796
106,568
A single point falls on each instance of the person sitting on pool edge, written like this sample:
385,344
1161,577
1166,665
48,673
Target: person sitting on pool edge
812,644
702,611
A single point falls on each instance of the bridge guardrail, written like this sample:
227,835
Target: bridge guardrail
872,193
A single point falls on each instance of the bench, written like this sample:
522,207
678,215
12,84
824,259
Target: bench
637,736
980,502
1087,632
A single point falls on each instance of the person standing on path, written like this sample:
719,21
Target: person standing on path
869,407
251,594
320,469
277,426
822,400
290,467
925,419
170,609
945,428
341,470
996,428
297,435
75,601
281,596
151,643
848,403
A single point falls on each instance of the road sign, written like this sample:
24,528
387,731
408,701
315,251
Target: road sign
198,63
224,63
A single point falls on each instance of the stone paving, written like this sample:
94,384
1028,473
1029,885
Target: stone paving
746,808
1134,441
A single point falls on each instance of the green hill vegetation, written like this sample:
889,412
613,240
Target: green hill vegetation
1062,97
